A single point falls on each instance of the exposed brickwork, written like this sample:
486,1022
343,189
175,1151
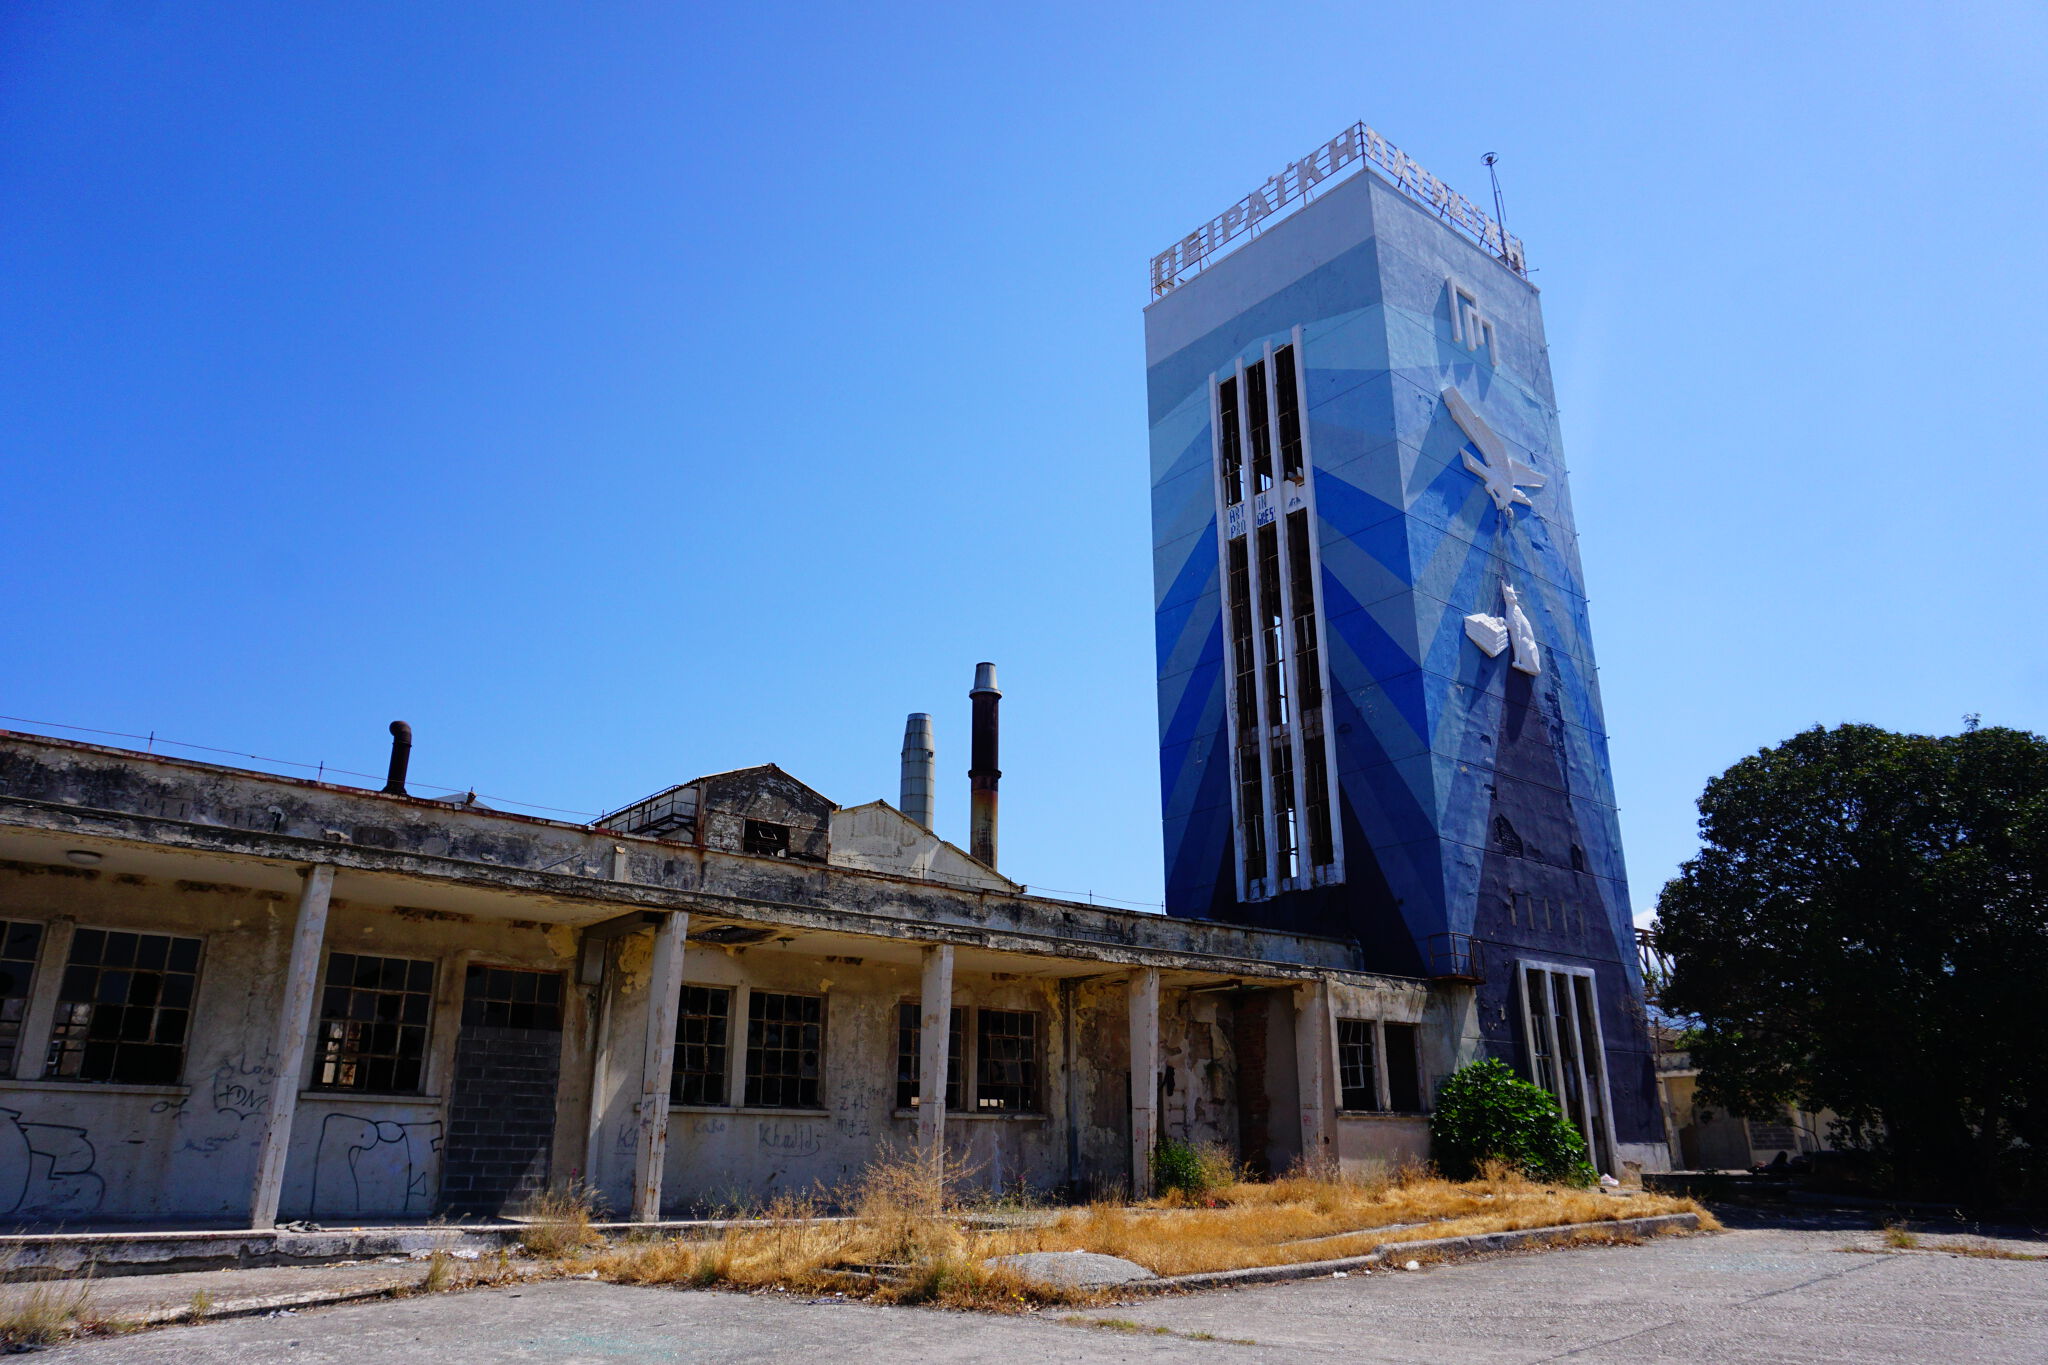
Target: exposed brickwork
502,1119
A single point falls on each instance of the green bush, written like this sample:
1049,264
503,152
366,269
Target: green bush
1486,1112
1194,1171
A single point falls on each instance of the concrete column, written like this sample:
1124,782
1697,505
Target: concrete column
664,1000
32,1058
935,1019
1314,1064
294,1023
1144,1001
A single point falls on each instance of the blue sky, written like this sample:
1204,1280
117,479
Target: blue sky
620,392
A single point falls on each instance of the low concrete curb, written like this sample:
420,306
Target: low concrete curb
26,1256
1476,1244
305,1298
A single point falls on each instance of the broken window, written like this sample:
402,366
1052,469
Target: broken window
20,944
1251,800
503,997
1301,585
1357,1066
785,1046
1006,1061
1285,804
766,838
703,1048
910,1055
1229,446
1287,413
374,1015
1258,426
1404,1068
1286,838
123,1008
1561,1027
1271,624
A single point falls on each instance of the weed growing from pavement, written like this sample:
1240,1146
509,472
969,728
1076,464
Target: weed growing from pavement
559,1220
46,1313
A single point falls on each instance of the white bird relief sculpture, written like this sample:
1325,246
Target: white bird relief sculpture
1495,633
1503,474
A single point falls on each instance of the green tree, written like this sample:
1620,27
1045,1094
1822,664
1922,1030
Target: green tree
1865,929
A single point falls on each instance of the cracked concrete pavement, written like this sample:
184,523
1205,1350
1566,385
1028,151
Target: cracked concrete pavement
1757,1294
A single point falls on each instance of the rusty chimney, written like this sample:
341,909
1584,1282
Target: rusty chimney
401,755
983,773
919,758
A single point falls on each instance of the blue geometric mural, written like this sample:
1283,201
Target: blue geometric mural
1468,749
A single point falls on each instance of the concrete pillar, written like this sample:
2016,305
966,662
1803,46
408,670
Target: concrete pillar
32,1058
664,1000
935,1020
1315,1066
288,1046
1144,1001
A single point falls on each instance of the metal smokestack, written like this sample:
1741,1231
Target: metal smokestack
983,775
401,755
919,768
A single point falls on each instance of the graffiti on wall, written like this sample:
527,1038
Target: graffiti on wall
367,1166
780,1137
47,1168
242,1087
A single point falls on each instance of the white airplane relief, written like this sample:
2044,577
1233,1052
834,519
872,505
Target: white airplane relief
1503,474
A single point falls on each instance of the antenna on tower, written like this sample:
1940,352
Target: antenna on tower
1500,214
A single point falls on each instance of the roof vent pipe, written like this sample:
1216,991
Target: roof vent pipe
401,755
983,774
919,761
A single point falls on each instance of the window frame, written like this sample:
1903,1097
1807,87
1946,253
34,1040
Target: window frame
910,1032
1593,1088
318,1051
52,1039
1382,1072
964,1059
748,1076
560,1004
676,1074
1035,1101
18,1047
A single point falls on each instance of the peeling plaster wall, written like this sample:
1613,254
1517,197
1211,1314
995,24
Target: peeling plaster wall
736,1155
74,1150
77,1150
880,838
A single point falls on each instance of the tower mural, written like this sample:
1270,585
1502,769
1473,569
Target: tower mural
1379,715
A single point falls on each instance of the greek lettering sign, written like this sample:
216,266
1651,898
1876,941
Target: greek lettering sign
1295,185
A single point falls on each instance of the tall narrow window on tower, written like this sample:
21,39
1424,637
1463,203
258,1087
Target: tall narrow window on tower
1287,413
1258,426
1271,641
1229,446
1308,674
1251,800
1286,833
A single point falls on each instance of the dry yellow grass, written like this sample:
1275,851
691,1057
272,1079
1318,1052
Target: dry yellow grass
1301,1218
40,1314
907,1230
559,1221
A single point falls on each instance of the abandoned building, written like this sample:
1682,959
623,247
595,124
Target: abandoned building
1390,849
231,995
